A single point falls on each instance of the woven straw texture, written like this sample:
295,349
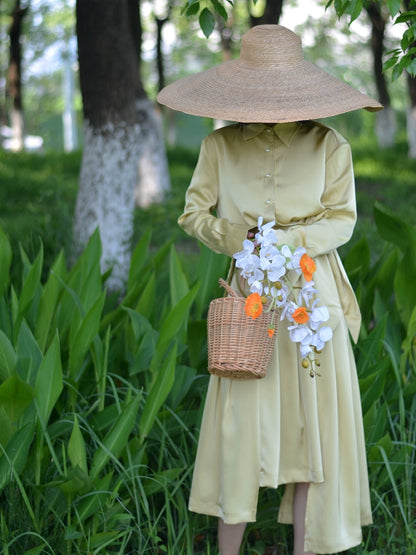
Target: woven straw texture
269,83
238,346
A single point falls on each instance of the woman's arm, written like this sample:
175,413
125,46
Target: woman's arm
198,220
334,225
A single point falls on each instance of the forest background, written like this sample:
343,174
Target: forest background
101,393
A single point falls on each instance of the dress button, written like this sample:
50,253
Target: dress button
268,201
267,149
267,175
268,130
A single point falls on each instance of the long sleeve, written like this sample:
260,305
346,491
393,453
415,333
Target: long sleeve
335,222
198,219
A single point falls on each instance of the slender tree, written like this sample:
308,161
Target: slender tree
14,76
271,14
386,122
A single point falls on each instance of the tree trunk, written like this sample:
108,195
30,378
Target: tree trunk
153,169
386,125
272,12
411,111
411,117
113,142
154,177
14,77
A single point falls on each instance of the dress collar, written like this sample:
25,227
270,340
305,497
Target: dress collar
285,131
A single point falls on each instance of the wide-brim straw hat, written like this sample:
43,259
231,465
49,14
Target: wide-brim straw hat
270,82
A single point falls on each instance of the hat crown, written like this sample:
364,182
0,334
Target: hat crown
271,46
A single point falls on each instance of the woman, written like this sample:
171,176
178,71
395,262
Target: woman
278,163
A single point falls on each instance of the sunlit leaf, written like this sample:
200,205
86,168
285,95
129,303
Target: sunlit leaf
207,21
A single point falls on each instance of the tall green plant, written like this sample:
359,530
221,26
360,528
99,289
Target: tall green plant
89,445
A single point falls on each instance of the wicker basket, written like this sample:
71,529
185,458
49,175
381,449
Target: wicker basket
238,346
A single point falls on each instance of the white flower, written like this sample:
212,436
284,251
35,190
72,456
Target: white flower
305,350
248,248
266,235
276,269
273,271
286,251
307,293
318,315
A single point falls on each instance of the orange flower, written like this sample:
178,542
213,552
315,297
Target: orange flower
307,266
254,306
300,316
270,331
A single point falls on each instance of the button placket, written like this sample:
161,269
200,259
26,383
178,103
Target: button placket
268,176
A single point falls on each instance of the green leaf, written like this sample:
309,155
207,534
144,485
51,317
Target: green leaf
411,332
407,39
394,7
116,439
172,324
398,69
220,10
193,9
163,480
371,349
390,62
372,386
49,382
394,229
48,300
16,453
94,501
184,378
411,67
211,266
29,356
76,481
341,6
76,448
178,283
357,261
139,257
15,397
8,357
404,285
81,342
31,283
354,9
406,16
207,22
147,299
5,262
158,393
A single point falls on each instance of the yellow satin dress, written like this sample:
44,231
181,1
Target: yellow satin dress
288,427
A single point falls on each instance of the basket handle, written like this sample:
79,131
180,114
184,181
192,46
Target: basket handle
228,288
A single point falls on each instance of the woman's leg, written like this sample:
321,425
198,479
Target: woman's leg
299,512
230,537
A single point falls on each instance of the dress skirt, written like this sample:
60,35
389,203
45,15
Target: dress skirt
284,429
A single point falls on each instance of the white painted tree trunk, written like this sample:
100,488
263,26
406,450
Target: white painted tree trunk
386,127
411,131
153,170
106,195
18,130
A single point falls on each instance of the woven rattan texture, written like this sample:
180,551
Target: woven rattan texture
238,346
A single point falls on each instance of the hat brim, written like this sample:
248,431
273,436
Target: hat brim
234,91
